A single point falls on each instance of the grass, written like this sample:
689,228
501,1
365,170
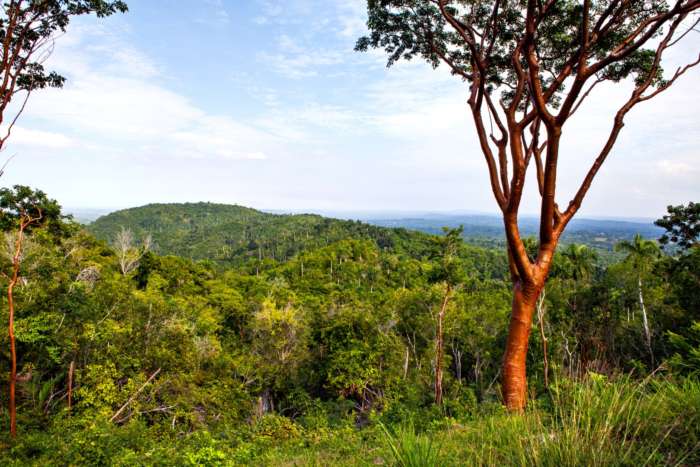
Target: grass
410,449
596,423
592,423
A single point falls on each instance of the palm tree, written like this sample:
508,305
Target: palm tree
641,254
582,260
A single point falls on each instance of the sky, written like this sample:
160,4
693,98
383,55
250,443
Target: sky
264,103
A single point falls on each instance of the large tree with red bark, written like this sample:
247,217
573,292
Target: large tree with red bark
529,65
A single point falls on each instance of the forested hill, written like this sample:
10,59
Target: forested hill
231,234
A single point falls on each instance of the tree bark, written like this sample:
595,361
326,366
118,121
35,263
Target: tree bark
545,357
405,363
16,262
13,358
514,383
439,347
71,369
645,321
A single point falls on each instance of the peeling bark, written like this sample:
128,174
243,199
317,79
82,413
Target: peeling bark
514,382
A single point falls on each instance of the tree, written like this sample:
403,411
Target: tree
529,66
450,272
21,210
128,253
641,254
682,226
27,32
580,261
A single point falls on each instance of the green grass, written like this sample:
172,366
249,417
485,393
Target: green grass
596,423
591,423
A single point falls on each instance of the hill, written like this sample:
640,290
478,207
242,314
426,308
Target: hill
488,229
231,234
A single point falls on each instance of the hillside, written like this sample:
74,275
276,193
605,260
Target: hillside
329,356
231,234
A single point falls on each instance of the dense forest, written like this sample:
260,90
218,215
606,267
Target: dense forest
218,335
233,235
325,349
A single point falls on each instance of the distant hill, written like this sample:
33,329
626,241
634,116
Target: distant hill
86,215
488,229
232,234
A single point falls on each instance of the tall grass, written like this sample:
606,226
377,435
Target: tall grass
410,449
594,423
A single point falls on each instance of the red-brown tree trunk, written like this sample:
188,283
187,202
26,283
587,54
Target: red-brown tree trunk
16,261
13,357
514,382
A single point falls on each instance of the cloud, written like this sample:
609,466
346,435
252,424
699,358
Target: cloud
304,122
300,63
676,168
352,15
26,137
116,101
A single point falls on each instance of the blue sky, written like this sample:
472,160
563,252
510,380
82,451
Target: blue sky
264,103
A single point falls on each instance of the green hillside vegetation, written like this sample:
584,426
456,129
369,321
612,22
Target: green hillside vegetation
213,335
233,235
327,356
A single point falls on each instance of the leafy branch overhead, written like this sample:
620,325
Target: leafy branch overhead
28,29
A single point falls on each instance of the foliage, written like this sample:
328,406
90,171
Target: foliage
234,235
300,361
682,224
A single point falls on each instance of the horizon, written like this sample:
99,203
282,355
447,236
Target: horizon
360,214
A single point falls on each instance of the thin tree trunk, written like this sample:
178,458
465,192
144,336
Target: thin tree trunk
131,399
13,358
540,317
71,369
16,261
645,321
477,375
514,383
405,363
439,348
457,354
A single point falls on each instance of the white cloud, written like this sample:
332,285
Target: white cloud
679,169
353,17
26,137
300,64
116,100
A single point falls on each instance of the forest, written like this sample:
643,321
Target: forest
323,352
214,334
